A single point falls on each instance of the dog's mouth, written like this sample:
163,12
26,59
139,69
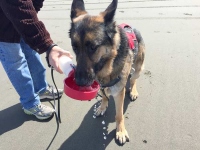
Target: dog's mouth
84,79
83,82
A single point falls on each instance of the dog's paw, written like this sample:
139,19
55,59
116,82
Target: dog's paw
122,136
100,111
133,96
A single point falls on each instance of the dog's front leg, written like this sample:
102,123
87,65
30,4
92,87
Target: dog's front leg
121,133
104,104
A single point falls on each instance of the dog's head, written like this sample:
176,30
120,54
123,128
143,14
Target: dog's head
94,42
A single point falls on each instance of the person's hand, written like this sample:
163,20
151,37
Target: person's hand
55,55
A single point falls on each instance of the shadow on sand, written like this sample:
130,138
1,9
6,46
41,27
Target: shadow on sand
13,117
89,135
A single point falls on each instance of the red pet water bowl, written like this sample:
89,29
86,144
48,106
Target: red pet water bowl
79,92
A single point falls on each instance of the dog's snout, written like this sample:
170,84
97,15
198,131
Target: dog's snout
84,78
82,82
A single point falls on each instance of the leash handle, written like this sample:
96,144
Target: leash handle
48,52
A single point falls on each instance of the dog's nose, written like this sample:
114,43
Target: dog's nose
83,80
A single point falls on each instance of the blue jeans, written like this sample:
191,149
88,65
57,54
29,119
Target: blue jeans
25,70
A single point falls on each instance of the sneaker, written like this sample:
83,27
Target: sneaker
48,94
40,111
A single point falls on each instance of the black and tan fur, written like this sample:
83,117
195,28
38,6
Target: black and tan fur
102,54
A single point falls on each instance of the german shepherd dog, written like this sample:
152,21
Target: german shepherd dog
102,54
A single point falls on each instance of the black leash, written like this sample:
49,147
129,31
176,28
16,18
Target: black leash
57,121
57,112
47,59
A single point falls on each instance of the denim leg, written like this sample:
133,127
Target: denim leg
37,69
16,67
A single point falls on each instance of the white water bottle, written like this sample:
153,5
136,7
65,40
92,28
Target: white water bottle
65,64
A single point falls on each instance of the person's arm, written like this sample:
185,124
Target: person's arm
24,18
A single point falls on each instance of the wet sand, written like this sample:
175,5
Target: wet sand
166,114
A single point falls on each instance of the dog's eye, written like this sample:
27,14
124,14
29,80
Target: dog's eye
93,47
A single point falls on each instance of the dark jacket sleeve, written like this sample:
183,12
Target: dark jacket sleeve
24,18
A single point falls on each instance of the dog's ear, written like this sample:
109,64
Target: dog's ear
109,13
108,16
77,8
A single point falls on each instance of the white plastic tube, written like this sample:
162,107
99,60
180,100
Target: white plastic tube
65,64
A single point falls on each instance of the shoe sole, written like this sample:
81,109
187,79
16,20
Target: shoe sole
41,118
